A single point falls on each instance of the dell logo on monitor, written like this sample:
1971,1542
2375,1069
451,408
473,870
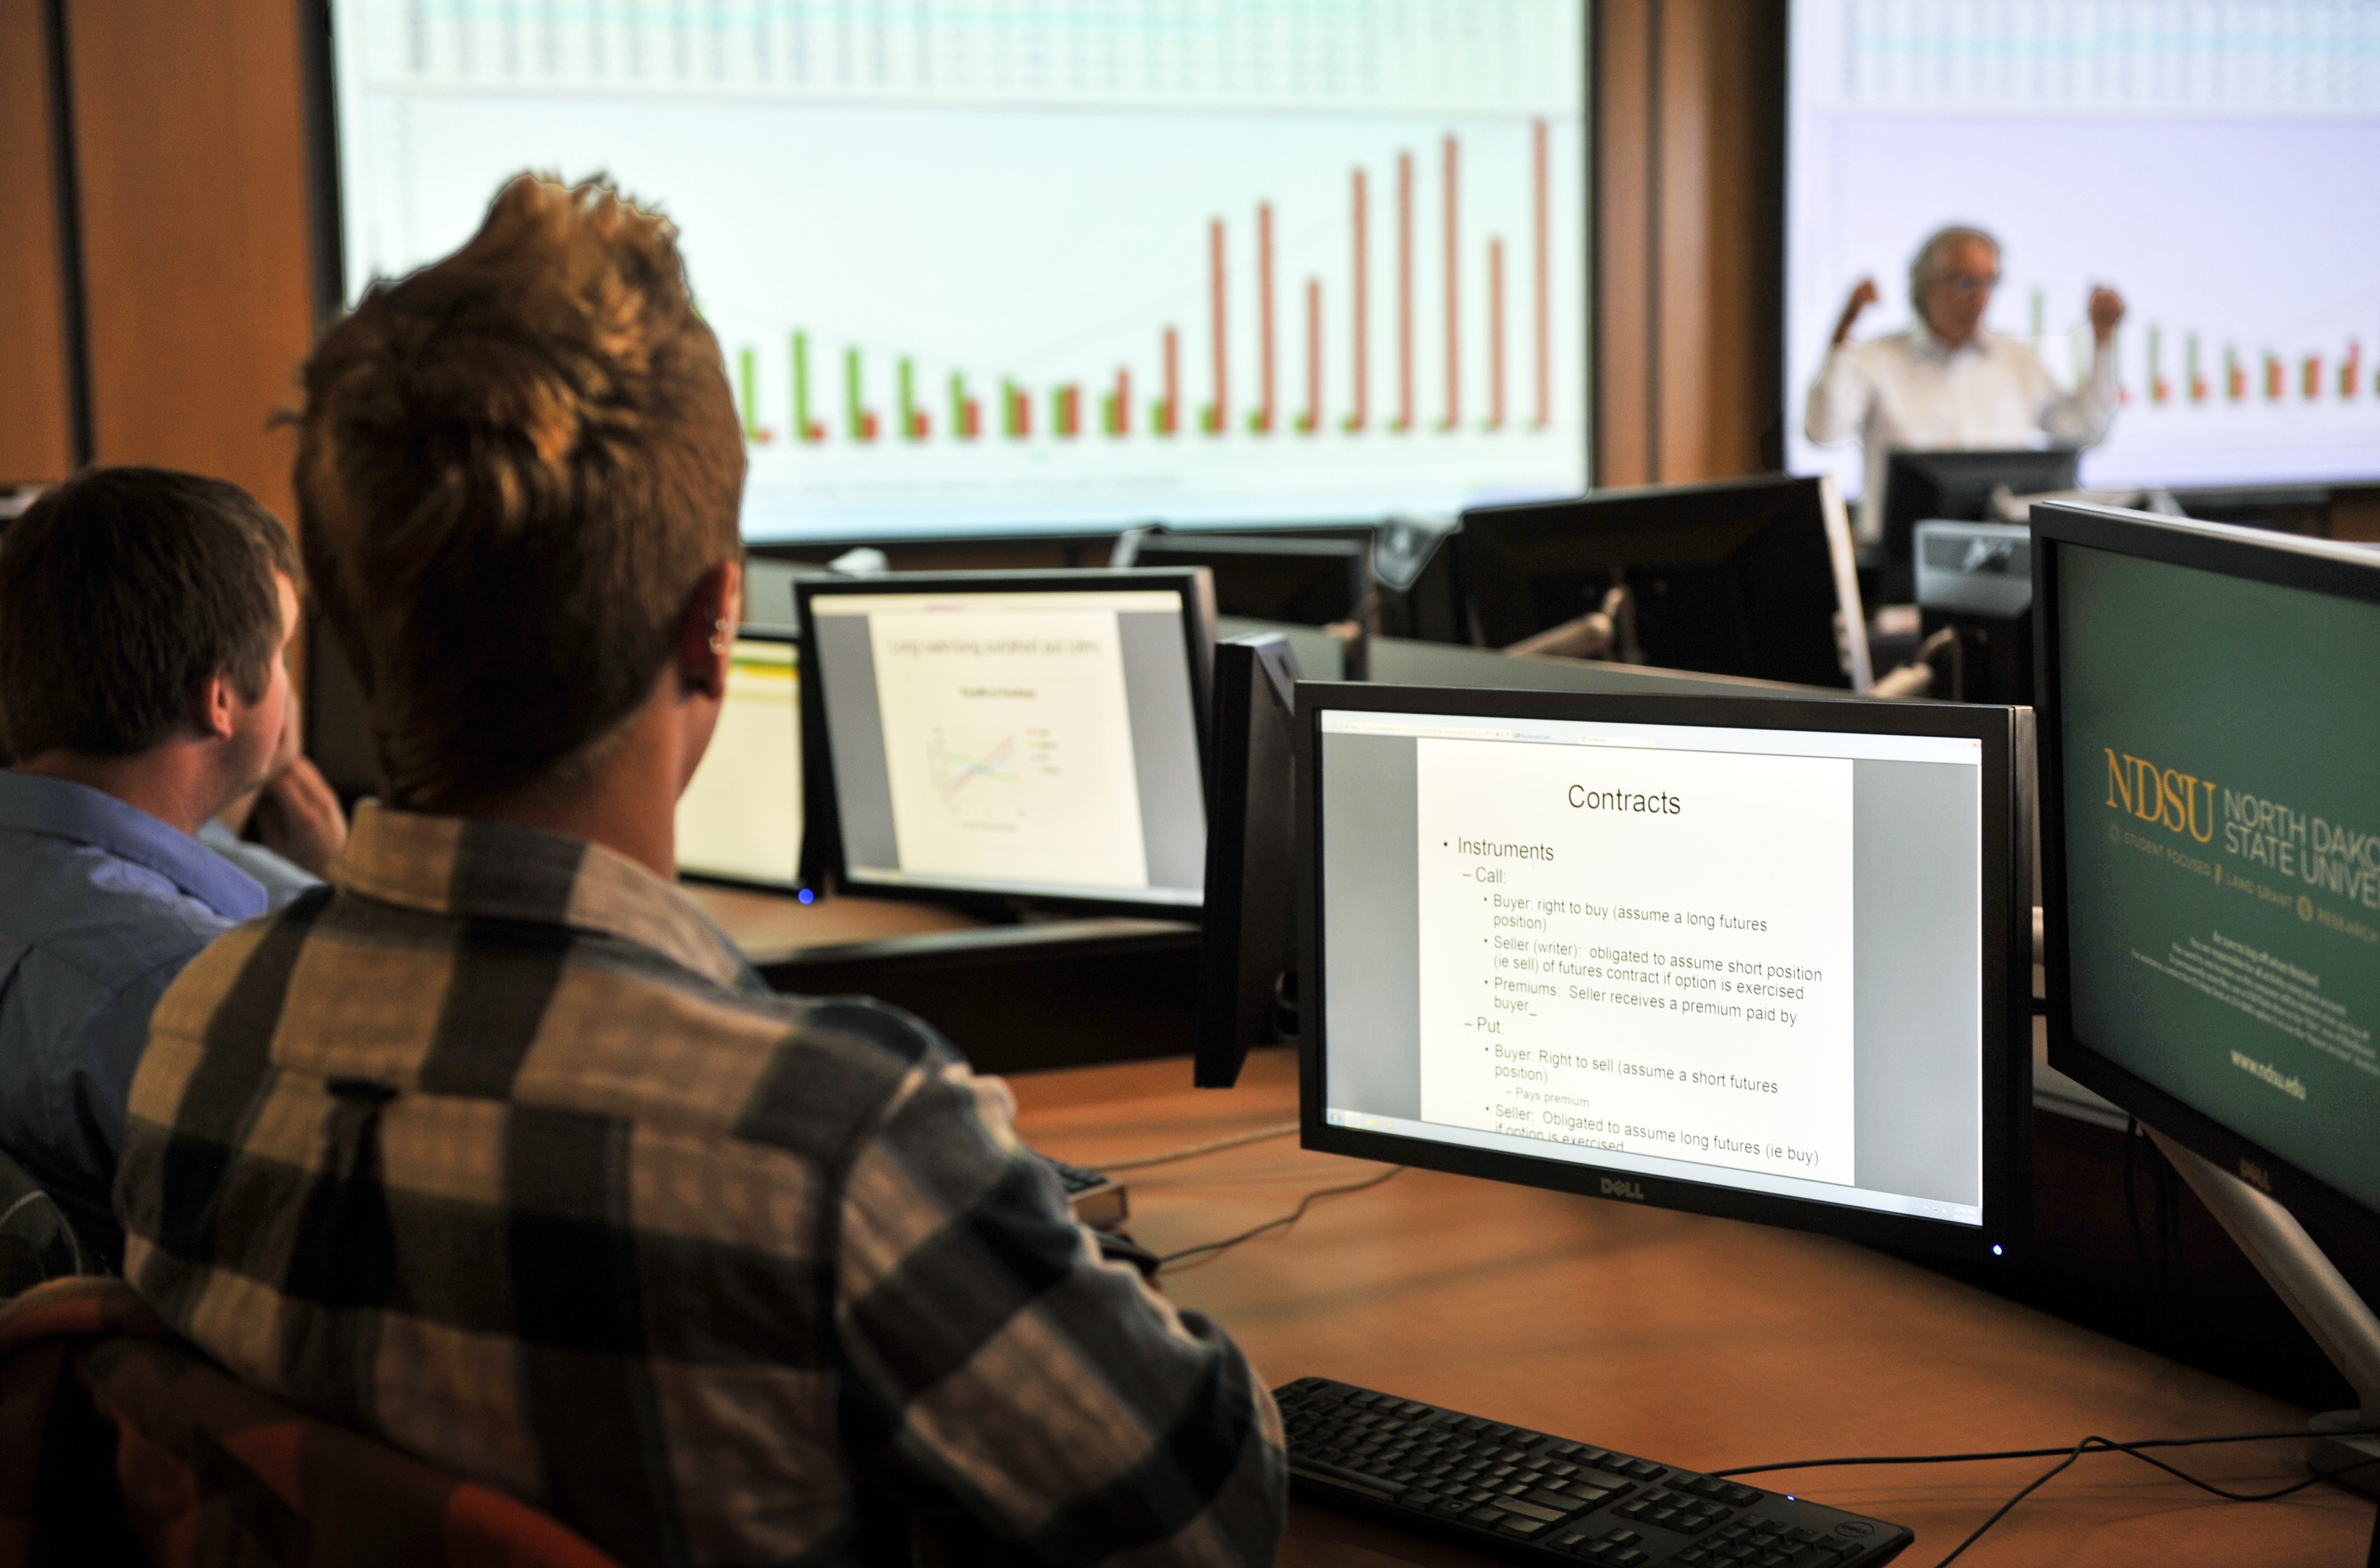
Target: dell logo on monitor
1614,1187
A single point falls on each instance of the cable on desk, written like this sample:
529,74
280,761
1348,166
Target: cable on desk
1283,1223
1195,1150
2069,1455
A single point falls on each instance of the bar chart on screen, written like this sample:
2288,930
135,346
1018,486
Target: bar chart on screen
1003,264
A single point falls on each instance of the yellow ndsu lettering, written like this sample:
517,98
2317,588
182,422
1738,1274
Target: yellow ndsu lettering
2167,796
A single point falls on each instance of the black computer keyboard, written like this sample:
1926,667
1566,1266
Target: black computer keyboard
1527,1496
1075,1178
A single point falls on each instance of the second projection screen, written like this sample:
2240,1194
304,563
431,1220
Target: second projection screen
1050,263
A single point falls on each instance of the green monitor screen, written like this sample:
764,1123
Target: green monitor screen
2211,790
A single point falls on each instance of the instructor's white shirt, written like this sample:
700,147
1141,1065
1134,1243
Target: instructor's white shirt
1908,393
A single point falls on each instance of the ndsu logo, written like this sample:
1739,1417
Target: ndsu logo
2164,795
1614,1187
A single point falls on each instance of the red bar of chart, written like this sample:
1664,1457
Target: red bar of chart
1359,331
966,415
1495,334
915,425
1539,224
1218,411
1261,421
1169,410
1448,157
1405,293
1311,420
1116,415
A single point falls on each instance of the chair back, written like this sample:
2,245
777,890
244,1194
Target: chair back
36,1242
120,1444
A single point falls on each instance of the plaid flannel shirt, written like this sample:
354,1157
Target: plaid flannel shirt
495,1149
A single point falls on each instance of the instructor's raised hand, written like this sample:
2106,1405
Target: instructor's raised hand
1861,298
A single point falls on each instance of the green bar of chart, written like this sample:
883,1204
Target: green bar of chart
805,427
862,422
747,378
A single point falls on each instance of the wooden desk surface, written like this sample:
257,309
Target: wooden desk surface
1688,1340
768,924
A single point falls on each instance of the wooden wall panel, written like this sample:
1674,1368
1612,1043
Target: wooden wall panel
1720,177
36,428
190,141
1690,189
1625,329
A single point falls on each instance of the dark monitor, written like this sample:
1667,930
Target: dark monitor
1309,582
1738,578
1246,973
1976,580
1958,486
740,817
2210,819
1024,735
1757,957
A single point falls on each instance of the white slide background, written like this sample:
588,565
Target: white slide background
1008,745
2215,162
1547,1010
741,814
1022,190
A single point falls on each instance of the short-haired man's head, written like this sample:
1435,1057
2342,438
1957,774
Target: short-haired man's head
1934,257
515,468
122,592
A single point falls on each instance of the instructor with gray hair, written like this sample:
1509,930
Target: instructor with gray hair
1947,384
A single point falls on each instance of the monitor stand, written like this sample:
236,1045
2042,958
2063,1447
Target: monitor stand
2312,1287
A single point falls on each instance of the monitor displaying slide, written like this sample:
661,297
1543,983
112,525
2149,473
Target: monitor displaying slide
1760,961
995,264
1024,739
2209,161
740,817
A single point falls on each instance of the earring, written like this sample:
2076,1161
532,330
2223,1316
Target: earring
719,637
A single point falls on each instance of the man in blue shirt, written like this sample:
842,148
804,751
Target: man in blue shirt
144,620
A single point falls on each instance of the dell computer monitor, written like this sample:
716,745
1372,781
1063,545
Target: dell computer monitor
740,819
2210,803
1030,736
1247,965
1308,582
1751,957
1738,578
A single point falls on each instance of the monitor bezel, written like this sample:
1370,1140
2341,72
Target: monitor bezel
2005,940
1242,666
761,631
1195,587
1935,466
2279,560
1343,557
